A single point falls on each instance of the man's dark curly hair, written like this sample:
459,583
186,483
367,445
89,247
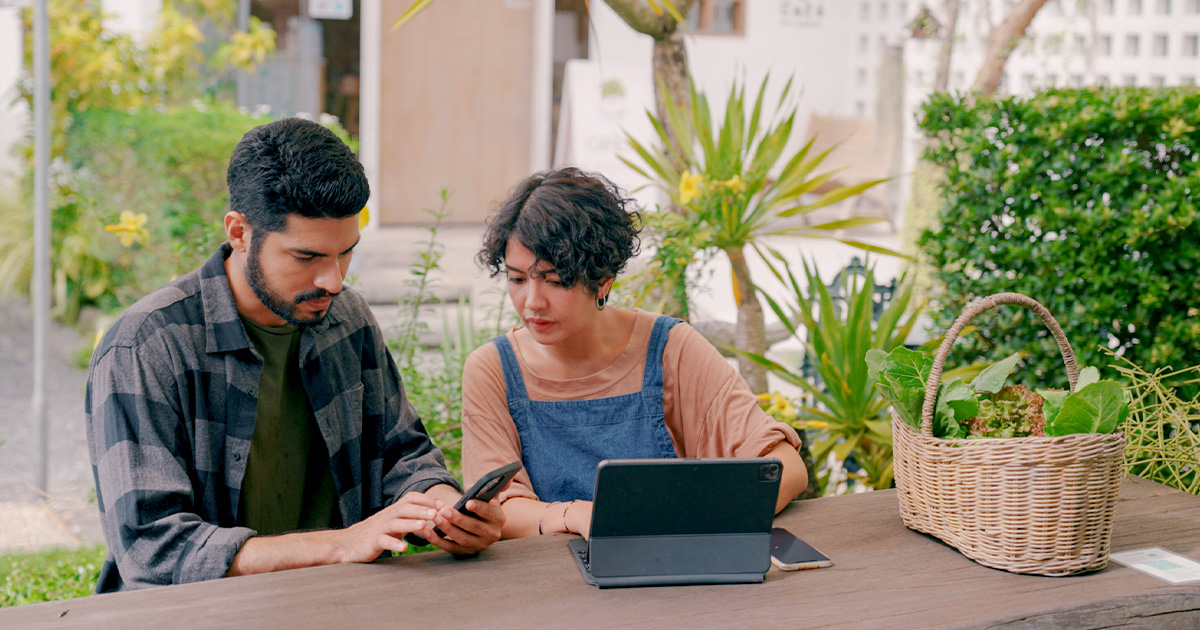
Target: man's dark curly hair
294,166
577,222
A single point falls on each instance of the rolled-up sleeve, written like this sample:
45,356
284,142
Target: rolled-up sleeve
140,447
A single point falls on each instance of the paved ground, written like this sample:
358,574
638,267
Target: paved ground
66,514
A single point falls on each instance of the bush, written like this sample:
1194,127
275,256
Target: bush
42,576
432,376
1085,200
169,165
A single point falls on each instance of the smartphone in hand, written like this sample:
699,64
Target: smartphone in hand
790,553
485,489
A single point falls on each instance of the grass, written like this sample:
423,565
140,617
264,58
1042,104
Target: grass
33,577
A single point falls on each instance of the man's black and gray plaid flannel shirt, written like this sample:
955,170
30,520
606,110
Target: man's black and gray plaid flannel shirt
171,403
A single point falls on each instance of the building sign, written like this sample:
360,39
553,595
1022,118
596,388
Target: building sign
599,105
331,9
802,13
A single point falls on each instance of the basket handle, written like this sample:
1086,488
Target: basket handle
975,308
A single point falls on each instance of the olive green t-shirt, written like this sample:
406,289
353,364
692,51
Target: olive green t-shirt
288,484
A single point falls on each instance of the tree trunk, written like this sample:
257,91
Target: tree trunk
671,74
1001,43
671,78
942,81
751,332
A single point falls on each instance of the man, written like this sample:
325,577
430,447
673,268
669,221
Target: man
247,417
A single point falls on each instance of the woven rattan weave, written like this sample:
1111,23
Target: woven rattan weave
1040,505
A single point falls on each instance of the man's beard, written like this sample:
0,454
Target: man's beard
282,307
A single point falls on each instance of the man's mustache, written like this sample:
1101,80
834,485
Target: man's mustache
315,294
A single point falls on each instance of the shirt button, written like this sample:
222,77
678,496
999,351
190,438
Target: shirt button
237,457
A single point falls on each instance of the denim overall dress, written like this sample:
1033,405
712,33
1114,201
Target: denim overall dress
563,441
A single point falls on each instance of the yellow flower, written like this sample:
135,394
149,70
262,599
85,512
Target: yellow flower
734,183
364,218
131,228
777,406
689,187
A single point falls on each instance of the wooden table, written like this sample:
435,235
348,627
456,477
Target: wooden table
884,576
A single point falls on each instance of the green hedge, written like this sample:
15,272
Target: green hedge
167,164
1085,200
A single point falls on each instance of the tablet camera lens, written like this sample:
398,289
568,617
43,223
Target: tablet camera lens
768,472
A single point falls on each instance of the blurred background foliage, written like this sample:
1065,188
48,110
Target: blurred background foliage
1085,200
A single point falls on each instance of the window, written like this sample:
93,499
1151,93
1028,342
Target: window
864,44
1191,45
1132,45
1157,80
1161,44
1192,6
1135,7
1102,80
1027,82
1162,7
864,12
883,11
1076,80
860,77
1104,45
718,17
1129,80
1187,79
860,109
1079,44
1108,7
1051,80
902,10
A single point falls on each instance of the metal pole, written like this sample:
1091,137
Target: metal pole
41,234
243,80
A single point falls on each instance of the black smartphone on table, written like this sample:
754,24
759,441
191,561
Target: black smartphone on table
789,553
485,489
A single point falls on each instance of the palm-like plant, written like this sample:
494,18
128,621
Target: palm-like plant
847,405
727,177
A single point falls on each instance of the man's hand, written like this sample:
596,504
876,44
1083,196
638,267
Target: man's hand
385,530
463,534
361,542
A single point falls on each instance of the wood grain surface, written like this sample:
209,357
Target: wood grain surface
884,576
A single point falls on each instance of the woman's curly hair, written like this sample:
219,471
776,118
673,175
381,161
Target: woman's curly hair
575,221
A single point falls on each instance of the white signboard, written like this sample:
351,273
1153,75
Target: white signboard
331,9
600,102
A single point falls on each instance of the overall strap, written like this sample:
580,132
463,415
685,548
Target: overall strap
512,370
652,376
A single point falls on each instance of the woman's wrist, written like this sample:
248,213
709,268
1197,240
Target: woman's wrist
566,527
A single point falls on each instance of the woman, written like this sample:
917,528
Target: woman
582,381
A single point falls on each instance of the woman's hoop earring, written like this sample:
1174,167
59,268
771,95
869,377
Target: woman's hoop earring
600,302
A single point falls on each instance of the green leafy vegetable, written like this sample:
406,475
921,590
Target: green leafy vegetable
1014,411
1054,399
1097,408
1087,376
901,375
992,378
956,404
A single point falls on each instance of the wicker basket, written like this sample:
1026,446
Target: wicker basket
1041,505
